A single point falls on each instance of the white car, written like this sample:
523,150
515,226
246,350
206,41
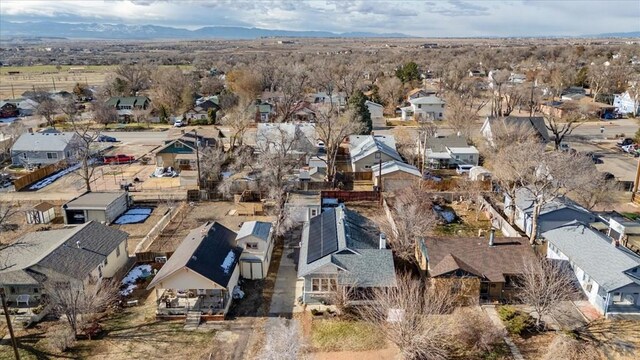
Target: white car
178,123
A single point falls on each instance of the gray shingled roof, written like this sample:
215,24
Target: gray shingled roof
357,253
524,201
372,144
593,252
440,144
535,124
72,252
44,141
393,166
259,229
204,251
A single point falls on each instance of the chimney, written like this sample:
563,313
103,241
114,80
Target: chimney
492,236
78,244
30,130
383,240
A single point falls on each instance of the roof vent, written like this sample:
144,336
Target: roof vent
78,244
194,258
492,236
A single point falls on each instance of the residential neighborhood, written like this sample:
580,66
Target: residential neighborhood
312,195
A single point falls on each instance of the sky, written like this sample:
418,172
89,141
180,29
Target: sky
431,18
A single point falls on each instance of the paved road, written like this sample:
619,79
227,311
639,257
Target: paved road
139,137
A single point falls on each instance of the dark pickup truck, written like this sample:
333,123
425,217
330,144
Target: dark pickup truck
118,159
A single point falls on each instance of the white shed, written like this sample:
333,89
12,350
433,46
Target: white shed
42,213
478,173
255,238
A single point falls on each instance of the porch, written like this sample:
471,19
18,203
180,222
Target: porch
624,309
207,301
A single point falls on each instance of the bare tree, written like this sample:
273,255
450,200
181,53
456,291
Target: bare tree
246,83
9,134
79,304
410,315
172,90
142,116
211,85
544,284
211,160
290,81
460,117
82,144
391,91
104,114
283,340
499,78
599,192
599,78
48,108
560,128
239,119
332,128
7,211
132,78
411,218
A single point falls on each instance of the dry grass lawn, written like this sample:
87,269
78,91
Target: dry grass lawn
342,335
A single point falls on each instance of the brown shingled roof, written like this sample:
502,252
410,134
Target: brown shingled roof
474,255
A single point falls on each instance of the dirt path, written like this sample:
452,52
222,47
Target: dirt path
388,353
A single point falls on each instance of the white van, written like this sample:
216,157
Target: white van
463,169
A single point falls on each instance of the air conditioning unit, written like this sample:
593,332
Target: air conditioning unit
161,259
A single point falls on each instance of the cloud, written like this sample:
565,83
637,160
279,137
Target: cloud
420,18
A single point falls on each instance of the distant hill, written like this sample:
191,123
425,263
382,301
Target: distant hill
632,34
141,32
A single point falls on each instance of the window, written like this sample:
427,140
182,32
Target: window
12,290
100,271
184,162
251,246
118,251
367,166
24,155
586,277
35,290
314,212
323,285
440,115
52,155
178,145
617,296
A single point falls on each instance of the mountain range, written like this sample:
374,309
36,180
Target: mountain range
144,32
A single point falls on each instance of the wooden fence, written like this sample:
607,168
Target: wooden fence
37,175
354,176
347,196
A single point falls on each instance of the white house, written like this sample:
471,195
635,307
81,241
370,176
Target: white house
450,151
608,274
302,206
297,138
255,238
423,108
367,151
625,104
375,109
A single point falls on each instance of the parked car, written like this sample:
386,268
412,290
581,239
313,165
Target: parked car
463,169
629,148
118,159
178,123
105,138
564,147
624,142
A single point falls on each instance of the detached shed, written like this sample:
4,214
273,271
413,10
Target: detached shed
42,213
255,238
102,207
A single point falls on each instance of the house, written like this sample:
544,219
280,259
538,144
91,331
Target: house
418,93
552,215
608,274
493,128
449,152
103,207
83,255
341,248
625,104
369,150
335,99
619,227
304,112
263,111
200,276
515,78
489,268
8,110
375,110
203,136
395,175
476,73
125,105
42,213
26,107
424,108
581,104
177,154
36,149
198,112
302,206
296,138
256,240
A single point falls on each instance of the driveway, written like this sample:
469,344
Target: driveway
287,287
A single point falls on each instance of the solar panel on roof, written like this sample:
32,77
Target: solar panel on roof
323,236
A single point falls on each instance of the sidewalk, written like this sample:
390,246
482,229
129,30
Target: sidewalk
490,310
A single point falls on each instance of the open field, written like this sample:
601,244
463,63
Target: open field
49,77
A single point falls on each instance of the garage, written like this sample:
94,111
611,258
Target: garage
251,270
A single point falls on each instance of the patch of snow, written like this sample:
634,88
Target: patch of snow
228,261
129,281
48,180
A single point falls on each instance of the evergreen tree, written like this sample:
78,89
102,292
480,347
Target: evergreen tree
408,72
357,103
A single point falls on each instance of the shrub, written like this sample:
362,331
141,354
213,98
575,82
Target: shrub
316,312
516,322
506,312
567,347
61,339
38,309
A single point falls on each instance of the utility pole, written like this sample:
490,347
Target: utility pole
635,183
14,343
54,83
197,155
13,94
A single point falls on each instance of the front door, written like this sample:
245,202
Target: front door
484,289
